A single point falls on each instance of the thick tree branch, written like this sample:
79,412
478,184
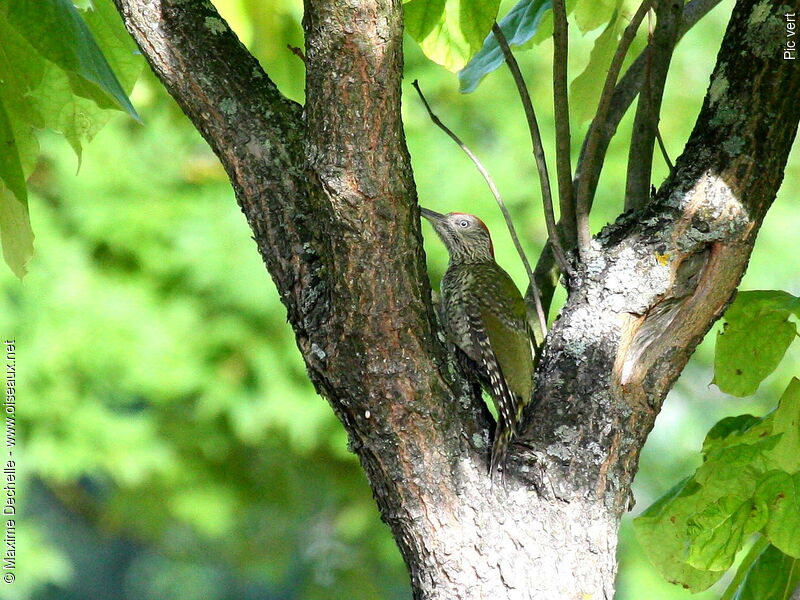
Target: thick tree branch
645,124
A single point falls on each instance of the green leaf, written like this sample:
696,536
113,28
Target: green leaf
21,70
736,470
772,576
750,558
476,18
779,429
519,26
450,31
10,167
754,339
719,531
730,431
662,532
584,91
781,493
15,232
591,14
57,31
749,481
118,46
786,422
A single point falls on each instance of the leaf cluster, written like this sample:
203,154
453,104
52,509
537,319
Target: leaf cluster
749,481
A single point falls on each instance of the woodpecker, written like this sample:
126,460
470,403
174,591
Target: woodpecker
484,316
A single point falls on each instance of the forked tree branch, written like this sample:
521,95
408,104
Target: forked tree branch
330,197
584,199
624,94
547,269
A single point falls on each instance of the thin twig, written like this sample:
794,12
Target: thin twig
496,193
538,149
664,150
297,52
566,193
645,124
583,199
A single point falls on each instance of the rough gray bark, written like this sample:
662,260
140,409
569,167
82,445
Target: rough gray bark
328,192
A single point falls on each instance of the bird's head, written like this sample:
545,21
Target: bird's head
466,237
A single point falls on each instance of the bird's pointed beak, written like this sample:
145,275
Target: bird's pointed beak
432,216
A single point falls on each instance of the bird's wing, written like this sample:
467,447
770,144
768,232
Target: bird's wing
489,366
512,350
504,318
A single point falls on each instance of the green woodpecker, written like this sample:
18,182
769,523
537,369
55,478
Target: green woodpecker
484,316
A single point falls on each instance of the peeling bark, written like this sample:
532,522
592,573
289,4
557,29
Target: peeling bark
328,191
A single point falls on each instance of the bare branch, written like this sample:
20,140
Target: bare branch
584,199
537,147
624,94
645,125
566,193
496,193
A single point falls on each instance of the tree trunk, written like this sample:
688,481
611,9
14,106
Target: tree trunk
329,194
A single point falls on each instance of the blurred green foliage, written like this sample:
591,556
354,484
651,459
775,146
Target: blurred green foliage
171,444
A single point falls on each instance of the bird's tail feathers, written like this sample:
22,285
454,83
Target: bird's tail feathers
502,437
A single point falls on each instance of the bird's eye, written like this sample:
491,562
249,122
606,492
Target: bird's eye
463,223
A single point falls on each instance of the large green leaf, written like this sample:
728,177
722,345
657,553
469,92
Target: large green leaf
16,235
662,532
15,232
736,470
786,422
730,431
749,481
754,339
719,531
10,166
54,76
519,26
780,491
57,31
450,31
585,89
21,70
771,576
780,430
